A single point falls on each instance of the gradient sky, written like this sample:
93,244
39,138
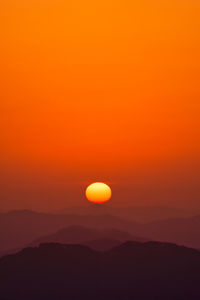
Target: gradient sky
99,90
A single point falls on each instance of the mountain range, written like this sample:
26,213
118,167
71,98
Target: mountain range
97,239
141,214
21,228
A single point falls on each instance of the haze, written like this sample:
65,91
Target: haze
105,91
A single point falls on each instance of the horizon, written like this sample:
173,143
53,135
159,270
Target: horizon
102,206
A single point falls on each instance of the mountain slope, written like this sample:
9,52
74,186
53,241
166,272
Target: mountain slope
182,231
130,271
88,236
19,228
141,214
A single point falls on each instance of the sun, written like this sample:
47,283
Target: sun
98,192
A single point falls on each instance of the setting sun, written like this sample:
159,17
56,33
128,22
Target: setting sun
98,192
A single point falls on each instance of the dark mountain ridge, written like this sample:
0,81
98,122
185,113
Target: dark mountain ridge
133,270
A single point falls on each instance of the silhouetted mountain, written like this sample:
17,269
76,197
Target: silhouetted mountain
19,228
97,239
141,214
130,271
182,231
103,244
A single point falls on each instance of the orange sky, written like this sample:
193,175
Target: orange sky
106,90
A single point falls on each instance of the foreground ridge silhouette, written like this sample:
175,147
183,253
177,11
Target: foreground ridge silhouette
132,270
